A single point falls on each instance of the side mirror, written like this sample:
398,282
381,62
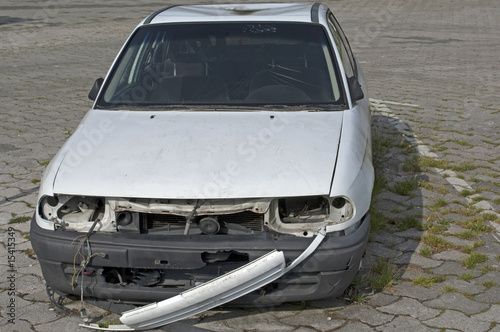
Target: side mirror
95,88
355,89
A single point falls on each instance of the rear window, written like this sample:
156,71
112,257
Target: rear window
225,64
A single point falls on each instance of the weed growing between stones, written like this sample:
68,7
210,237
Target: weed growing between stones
426,281
18,220
466,277
426,252
405,187
436,242
473,259
449,289
384,275
489,284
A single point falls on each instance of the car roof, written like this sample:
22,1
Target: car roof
274,12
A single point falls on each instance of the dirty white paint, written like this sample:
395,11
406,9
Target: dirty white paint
197,154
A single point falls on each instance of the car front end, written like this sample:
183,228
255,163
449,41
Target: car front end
211,144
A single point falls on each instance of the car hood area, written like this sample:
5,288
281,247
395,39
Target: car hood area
200,154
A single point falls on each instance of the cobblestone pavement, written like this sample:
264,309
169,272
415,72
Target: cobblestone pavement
432,68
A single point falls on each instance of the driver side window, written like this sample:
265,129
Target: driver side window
342,46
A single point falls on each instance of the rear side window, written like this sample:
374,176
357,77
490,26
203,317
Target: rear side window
220,64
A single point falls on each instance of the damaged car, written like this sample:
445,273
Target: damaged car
226,140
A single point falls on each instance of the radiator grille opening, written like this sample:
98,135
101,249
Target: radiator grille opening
247,219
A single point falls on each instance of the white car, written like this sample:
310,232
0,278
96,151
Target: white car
221,135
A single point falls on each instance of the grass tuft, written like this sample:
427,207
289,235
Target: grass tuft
473,259
436,243
449,289
19,220
478,224
489,284
378,220
466,277
405,187
413,165
427,281
384,275
466,235
426,252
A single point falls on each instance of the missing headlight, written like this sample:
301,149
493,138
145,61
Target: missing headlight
73,212
342,209
303,209
303,216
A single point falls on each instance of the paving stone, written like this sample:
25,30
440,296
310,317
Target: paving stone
5,218
454,268
412,258
458,302
411,233
355,327
417,292
64,323
19,325
409,245
381,299
459,242
319,321
493,276
454,228
452,319
495,329
324,303
6,298
18,208
304,329
463,286
266,323
410,307
9,192
218,326
490,295
37,312
483,205
449,255
386,238
26,284
381,250
404,323
491,248
363,313
411,272
491,315
20,228
38,296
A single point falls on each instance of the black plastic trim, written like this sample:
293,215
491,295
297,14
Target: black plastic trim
315,12
324,274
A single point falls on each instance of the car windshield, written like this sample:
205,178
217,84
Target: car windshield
225,64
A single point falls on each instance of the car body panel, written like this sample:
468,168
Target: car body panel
201,154
237,12
354,158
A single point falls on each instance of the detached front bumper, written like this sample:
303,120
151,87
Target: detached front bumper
143,268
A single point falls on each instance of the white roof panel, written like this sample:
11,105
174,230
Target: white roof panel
296,12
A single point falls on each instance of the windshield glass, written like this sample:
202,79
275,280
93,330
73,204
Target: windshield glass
225,64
